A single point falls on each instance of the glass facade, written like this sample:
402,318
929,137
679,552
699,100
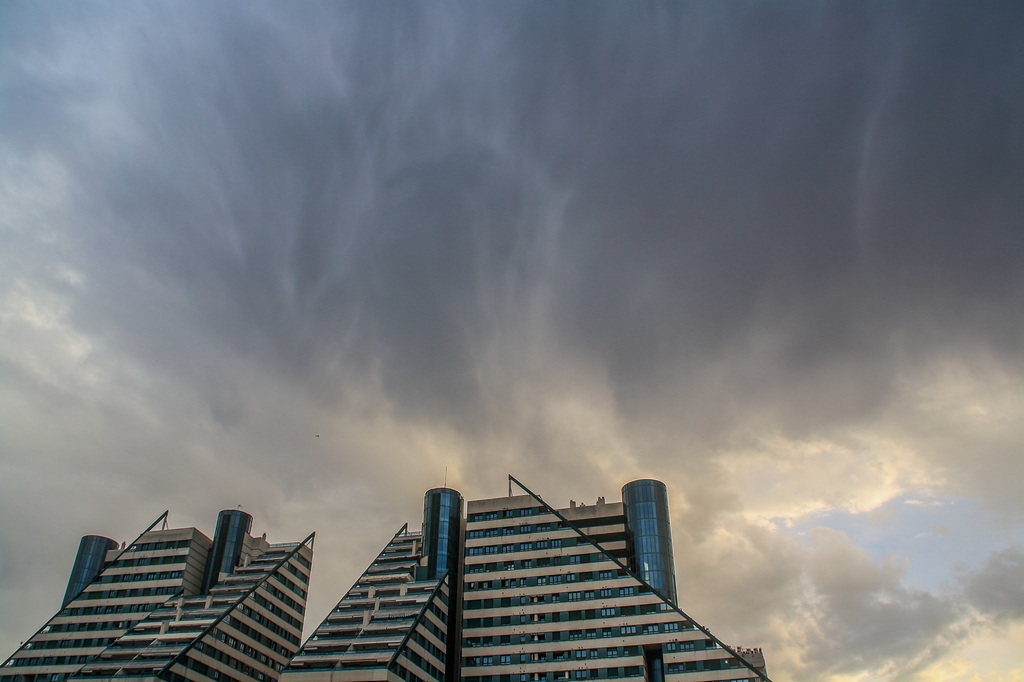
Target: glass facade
92,552
232,527
647,519
442,530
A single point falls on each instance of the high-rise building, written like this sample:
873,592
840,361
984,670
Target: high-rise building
583,593
508,589
399,621
523,592
174,605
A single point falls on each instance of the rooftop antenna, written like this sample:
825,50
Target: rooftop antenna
446,477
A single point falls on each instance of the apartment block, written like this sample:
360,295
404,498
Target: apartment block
174,605
583,593
507,589
396,622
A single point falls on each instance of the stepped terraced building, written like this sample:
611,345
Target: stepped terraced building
508,589
174,605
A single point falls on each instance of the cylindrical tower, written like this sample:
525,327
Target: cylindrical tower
232,527
442,531
92,553
442,549
650,534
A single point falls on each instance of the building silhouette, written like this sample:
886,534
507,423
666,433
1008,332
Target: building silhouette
582,593
507,589
174,605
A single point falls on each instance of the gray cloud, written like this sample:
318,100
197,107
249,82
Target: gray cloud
513,238
996,588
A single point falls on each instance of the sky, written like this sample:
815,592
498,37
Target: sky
313,259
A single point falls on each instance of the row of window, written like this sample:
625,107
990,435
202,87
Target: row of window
148,561
544,562
49,660
205,670
553,598
261,637
131,592
302,578
520,529
567,654
100,610
553,656
556,579
700,666
284,633
279,594
70,643
241,648
573,616
599,673
88,627
504,514
167,544
423,663
289,584
139,577
555,543
277,610
431,648
408,675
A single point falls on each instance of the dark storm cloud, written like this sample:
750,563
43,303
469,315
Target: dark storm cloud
833,191
372,189
465,216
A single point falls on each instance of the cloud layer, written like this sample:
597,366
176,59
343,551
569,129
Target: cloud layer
768,254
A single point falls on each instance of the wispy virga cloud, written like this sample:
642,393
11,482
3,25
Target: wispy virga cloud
769,254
